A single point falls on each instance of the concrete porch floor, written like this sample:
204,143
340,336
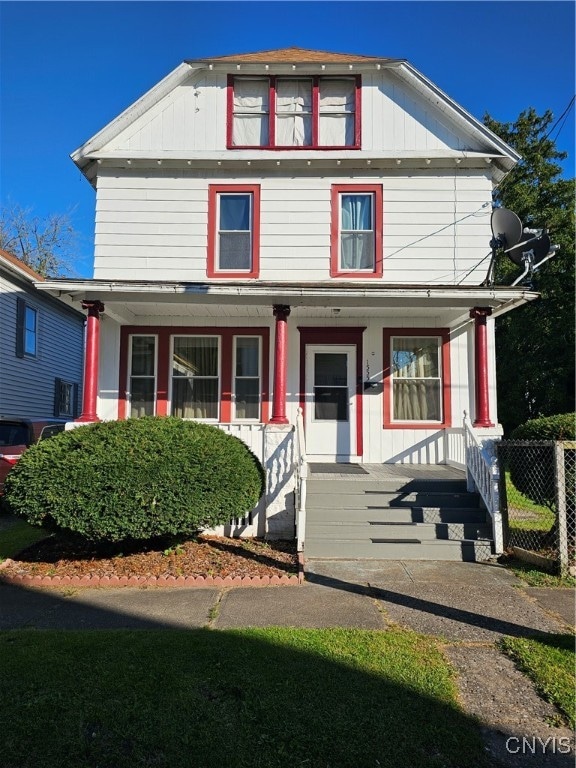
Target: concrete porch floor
384,472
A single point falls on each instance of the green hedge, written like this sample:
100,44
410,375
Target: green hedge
562,426
135,479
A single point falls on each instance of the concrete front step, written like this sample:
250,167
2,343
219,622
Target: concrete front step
344,500
466,550
398,531
395,519
386,486
396,515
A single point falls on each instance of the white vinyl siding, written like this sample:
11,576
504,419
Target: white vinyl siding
153,225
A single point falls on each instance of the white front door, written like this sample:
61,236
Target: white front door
330,422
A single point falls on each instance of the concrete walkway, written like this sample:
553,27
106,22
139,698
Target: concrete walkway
456,601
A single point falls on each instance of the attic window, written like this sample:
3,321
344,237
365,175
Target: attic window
294,112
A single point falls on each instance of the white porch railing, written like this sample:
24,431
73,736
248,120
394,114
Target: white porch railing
483,475
301,476
454,447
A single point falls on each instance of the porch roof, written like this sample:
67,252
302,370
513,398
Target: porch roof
129,300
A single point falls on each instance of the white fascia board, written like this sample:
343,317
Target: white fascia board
496,297
456,112
135,110
263,67
272,155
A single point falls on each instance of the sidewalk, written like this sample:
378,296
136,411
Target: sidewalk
455,601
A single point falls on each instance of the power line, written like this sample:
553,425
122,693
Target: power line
563,115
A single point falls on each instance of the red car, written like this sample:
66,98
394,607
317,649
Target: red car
16,434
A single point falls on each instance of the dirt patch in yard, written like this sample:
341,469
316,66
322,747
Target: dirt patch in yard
202,556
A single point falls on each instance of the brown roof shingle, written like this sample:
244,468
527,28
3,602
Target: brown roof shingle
9,257
296,55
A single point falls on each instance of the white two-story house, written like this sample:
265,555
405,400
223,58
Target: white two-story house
296,229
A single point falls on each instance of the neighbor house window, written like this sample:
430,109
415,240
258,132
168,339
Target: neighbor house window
234,231
247,384
292,112
356,241
26,329
417,387
65,398
195,377
142,383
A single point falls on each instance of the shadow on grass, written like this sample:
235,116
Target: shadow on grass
202,698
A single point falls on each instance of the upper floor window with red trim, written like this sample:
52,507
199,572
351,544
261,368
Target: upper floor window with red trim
294,112
233,230
356,231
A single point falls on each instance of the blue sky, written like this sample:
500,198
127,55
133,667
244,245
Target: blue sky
68,68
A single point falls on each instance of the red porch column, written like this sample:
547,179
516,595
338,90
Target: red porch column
90,383
281,312
479,315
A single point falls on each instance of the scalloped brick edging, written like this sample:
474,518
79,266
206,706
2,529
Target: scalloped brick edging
149,581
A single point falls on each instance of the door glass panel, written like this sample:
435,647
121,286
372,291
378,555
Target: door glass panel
330,386
331,403
330,369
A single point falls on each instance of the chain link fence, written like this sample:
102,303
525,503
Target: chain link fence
538,500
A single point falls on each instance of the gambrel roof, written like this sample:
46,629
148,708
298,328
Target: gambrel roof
470,140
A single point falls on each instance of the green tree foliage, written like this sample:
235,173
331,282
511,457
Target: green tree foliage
135,480
535,344
48,245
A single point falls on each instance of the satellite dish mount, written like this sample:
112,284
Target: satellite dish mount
528,248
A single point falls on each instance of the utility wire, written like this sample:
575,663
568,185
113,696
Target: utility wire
563,115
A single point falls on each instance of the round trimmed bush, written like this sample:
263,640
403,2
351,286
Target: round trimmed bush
135,479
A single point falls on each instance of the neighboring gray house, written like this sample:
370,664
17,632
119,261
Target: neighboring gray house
41,347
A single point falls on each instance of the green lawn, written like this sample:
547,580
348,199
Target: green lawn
17,537
524,514
257,698
535,577
549,661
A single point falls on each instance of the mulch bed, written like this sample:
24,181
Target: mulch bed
209,557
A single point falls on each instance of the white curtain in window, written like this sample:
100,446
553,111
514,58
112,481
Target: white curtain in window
357,235
293,113
416,394
337,106
195,378
251,111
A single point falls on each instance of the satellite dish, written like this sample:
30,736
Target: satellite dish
528,248
537,247
506,227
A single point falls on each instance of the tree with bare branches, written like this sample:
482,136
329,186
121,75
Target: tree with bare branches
47,244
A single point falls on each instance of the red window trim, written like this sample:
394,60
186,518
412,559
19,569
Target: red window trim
213,191
337,190
315,114
163,335
325,335
444,335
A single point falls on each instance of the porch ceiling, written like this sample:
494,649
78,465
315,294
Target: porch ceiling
131,301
